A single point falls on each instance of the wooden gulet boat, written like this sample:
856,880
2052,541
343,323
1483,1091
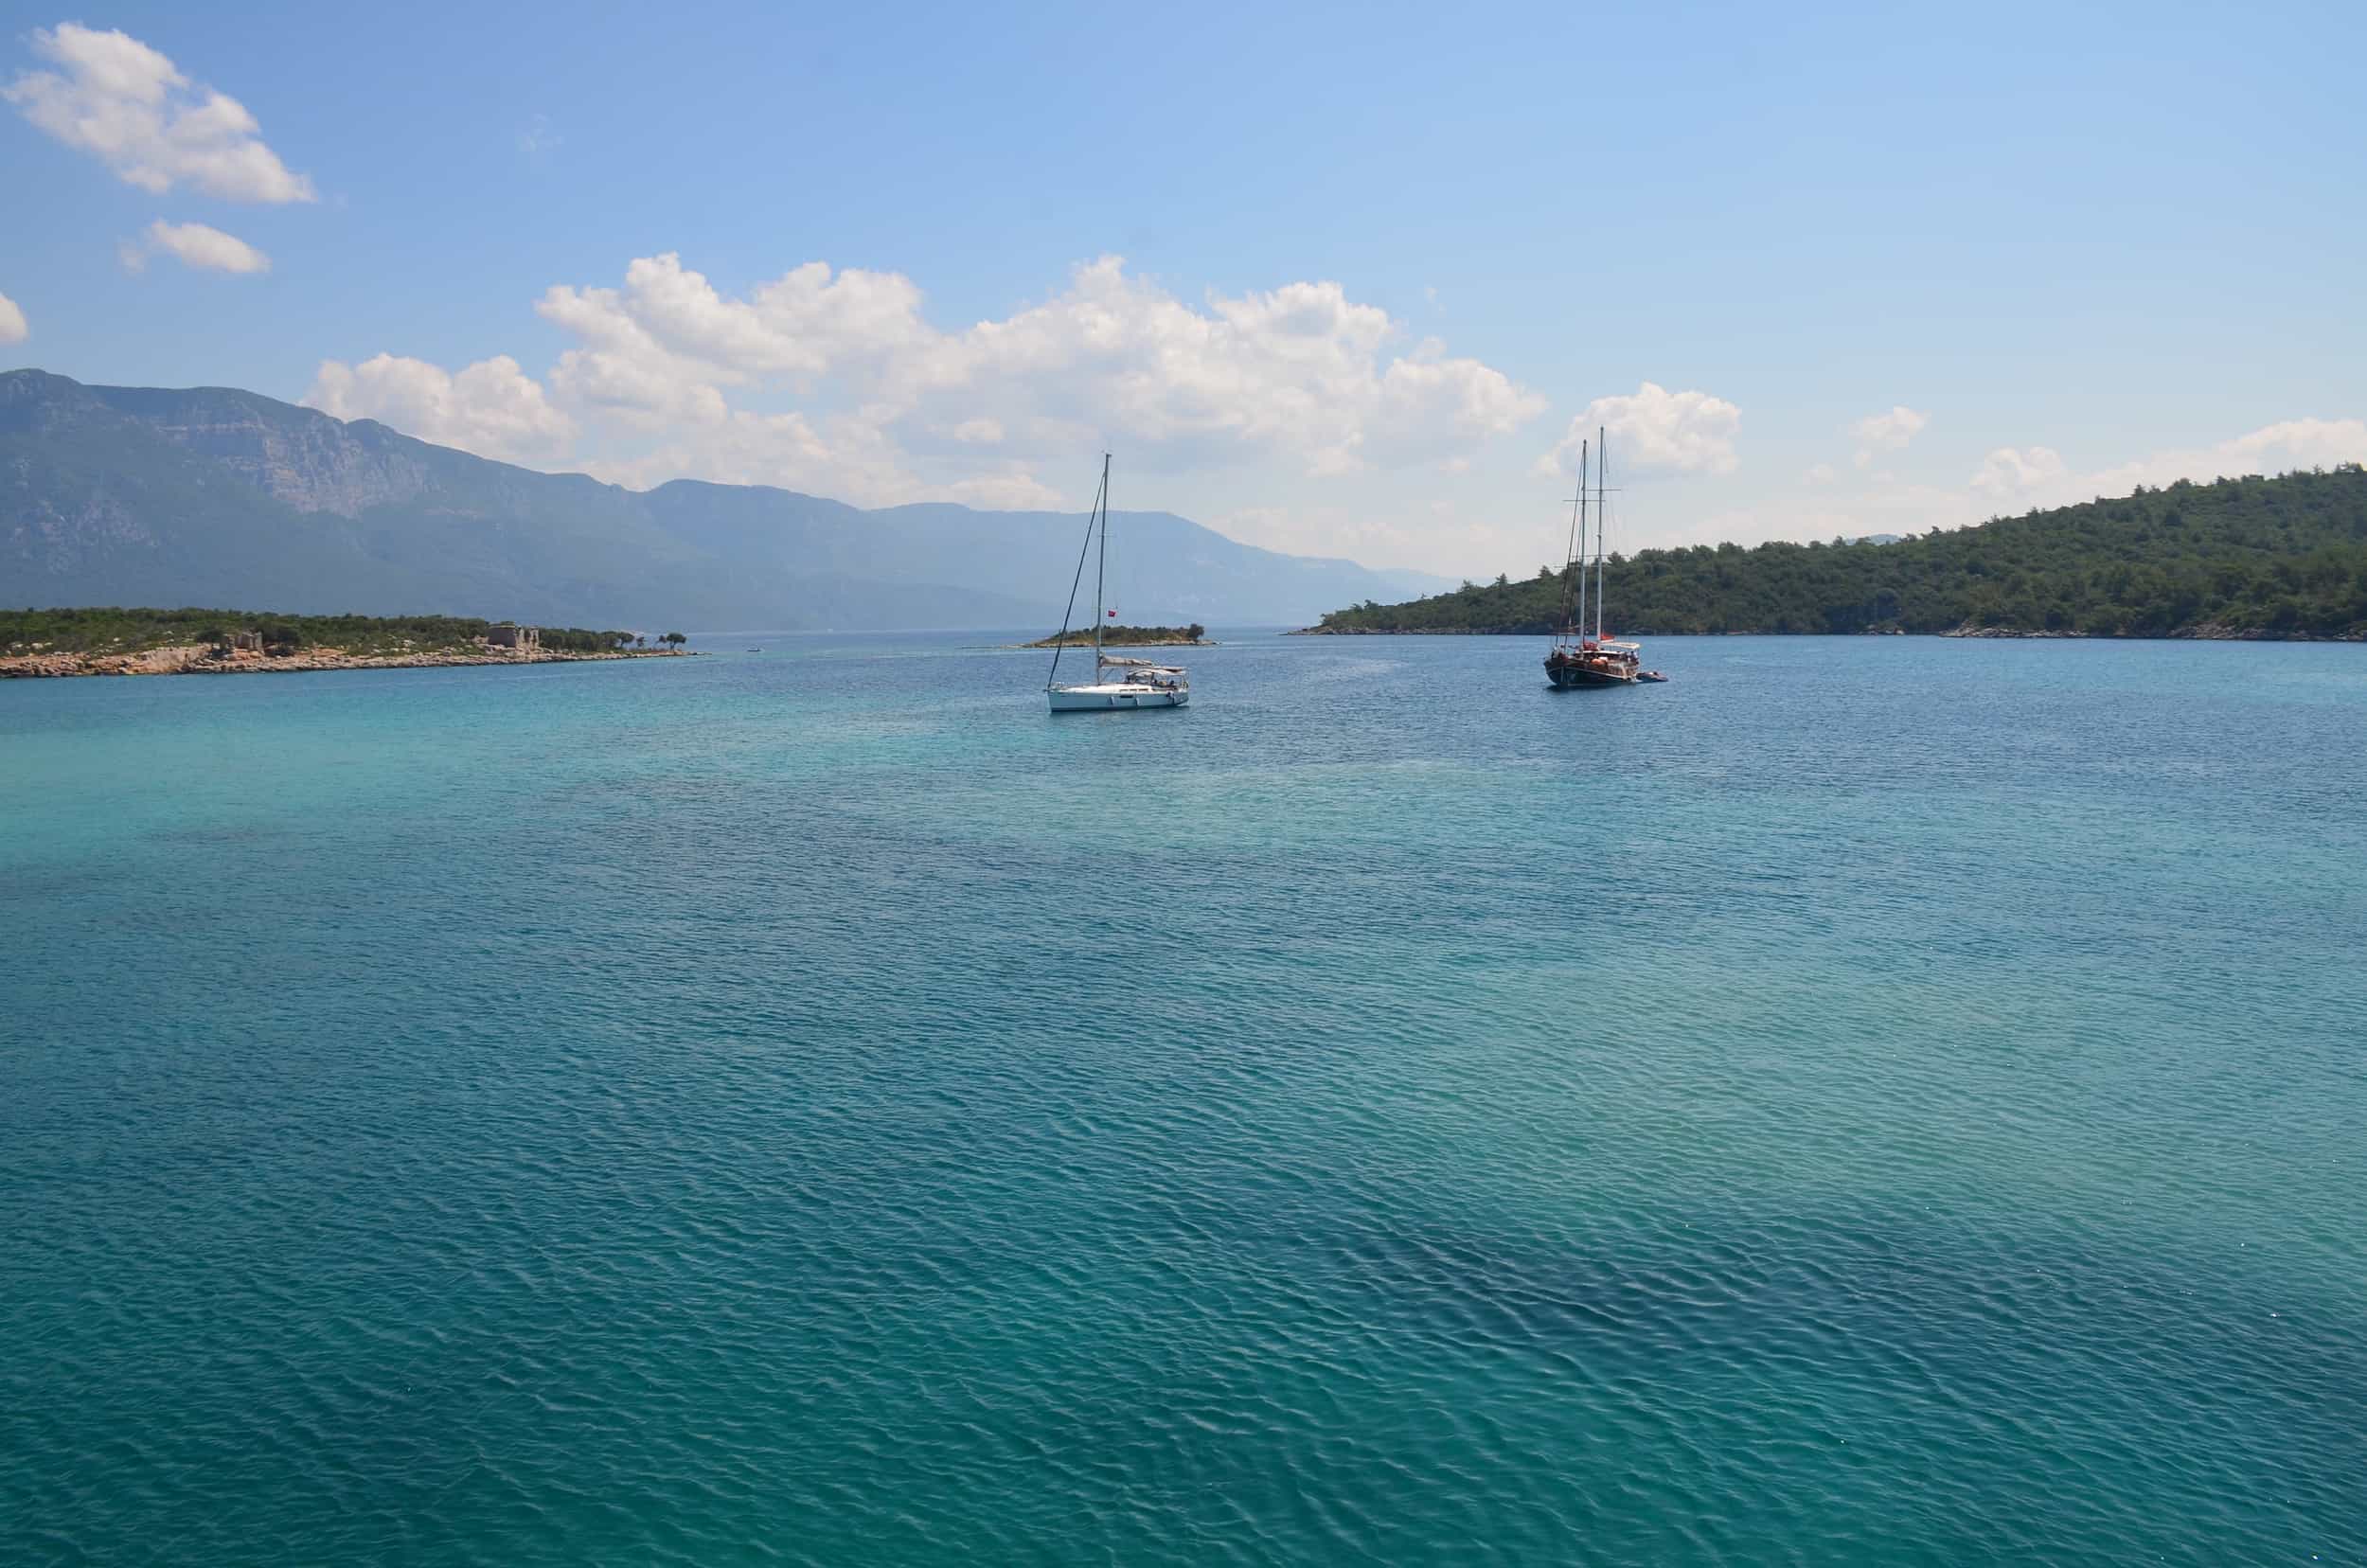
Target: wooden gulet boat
1578,659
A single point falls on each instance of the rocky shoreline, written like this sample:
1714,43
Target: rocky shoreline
2208,632
202,659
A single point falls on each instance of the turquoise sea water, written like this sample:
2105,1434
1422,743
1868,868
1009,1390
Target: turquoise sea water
1867,1101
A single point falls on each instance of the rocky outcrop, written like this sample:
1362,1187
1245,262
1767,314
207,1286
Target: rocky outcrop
1968,629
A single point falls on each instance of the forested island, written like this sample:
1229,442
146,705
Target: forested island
115,641
2280,557
1129,636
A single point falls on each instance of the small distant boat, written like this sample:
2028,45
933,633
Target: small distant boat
1138,683
1578,659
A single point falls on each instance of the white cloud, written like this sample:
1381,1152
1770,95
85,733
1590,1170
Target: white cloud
1822,474
2038,476
13,328
1654,431
492,408
669,336
843,459
196,245
1757,524
1886,432
2009,471
1015,489
2010,479
2271,449
1302,370
834,382
839,457
128,106
1436,531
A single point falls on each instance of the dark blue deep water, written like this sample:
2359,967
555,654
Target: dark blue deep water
1867,1101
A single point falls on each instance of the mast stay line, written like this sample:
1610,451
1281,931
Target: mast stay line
1100,497
1602,517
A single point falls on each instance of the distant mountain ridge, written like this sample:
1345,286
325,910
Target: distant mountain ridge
166,497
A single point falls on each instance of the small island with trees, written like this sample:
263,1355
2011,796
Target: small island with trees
225,642
2253,557
1193,635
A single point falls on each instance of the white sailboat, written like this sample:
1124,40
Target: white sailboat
1118,682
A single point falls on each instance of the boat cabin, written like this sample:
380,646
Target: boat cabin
1143,672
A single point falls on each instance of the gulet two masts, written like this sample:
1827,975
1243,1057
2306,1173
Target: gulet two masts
1578,657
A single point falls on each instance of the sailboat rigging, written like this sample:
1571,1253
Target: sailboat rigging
1140,683
1577,658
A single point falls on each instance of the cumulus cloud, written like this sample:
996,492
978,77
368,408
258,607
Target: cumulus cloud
13,328
1014,489
2271,449
1654,431
844,458
492,408
195,245
1301,373
2012,479
1886,432
128,106
1302,370
2008,471
2038,476
669,375
668,341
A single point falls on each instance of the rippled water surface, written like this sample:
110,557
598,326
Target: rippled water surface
1877,1100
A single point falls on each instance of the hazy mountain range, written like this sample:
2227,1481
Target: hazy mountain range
215,496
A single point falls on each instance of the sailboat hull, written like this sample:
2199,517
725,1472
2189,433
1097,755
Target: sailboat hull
1113,699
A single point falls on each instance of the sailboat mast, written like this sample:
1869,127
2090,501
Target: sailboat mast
1101,566
1602,511
1577,623
1570,555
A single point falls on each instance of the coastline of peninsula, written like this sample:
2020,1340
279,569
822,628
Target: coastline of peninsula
2247,560
47,643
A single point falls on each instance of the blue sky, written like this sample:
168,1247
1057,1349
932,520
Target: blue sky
1821,271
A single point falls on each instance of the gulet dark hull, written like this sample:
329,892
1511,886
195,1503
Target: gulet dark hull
1570,675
